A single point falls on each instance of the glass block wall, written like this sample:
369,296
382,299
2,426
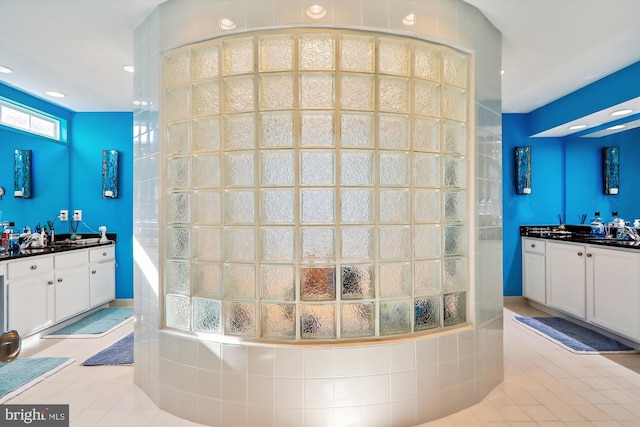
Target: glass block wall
315,186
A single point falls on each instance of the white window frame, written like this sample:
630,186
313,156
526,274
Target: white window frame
32,114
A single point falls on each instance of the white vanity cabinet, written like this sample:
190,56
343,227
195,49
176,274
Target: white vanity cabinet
102,275
534,270
71,284
567,276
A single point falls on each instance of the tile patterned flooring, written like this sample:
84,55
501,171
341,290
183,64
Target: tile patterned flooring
544,386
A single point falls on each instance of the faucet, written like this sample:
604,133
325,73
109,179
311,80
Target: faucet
631,233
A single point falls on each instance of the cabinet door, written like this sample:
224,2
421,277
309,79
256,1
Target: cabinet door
71,292
102,283
533,278
567,273
30,304
613,291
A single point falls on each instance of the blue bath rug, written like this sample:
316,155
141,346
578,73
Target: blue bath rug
118,353
96,324
575,338
20,374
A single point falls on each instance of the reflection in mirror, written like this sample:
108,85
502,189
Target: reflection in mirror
22,174
109,174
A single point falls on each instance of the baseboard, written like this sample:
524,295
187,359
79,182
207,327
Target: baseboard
124,302
517,300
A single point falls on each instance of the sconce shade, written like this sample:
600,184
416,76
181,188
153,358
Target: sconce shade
109,174
523,170
611,170
22,174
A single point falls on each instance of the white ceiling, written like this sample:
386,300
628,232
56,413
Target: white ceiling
550,47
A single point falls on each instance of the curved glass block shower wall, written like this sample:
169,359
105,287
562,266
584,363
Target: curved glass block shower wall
315,186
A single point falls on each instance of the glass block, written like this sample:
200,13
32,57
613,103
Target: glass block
317,167
316,52
394,168
239,207
356,130
207,242
394,131
178,243
206,279
455,137
357,281
456,66
177,311
239,131
176,68
276,129
318,321
394,279
238,95
455,209
357,168
455,240
206,170
426,134
395,317
206,134
393,95
278,243
239,281
394,206
357,53
357,92
206,207
277,282
277,168
455,308
239,169
177,280
426,206
427,277
358,320
318,244
178,211
455,103
427,62
356,206
426,170
426,241
426,98
318,283
277,206
279,321
357,243
177,104
316,91
276,92
316,129
394,57
318,206
427,313
395,243
239,244
240,319
237,56
177,138
205,62
275,53
206,98
455,275
455,172
207,315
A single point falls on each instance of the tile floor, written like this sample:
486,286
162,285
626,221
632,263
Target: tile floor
544,386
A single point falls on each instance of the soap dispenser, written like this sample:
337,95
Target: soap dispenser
103,230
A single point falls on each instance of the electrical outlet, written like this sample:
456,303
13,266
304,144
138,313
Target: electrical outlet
64,215
77,215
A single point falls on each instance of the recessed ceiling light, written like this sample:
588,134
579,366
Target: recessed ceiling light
227,24
621,112
616,127
56,94
409,19
316,11
5,70
128,68
143,103
576,127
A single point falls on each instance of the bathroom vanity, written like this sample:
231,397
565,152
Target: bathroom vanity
592,281
43,287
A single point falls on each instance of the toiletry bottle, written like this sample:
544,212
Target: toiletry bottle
597,226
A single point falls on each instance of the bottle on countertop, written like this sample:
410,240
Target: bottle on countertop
597,226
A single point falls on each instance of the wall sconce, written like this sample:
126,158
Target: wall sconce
22,174
109,174
611,169
523,170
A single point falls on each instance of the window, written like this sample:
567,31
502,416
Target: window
22,118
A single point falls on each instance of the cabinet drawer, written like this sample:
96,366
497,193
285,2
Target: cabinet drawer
70,259
30,267
102,254
533,245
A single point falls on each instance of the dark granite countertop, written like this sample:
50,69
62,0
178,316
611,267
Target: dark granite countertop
575,234
62,244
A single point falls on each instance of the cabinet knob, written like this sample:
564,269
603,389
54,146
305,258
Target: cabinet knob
533,245
104,254
60,280
34,267
579,253
50,282
588,255
93,272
